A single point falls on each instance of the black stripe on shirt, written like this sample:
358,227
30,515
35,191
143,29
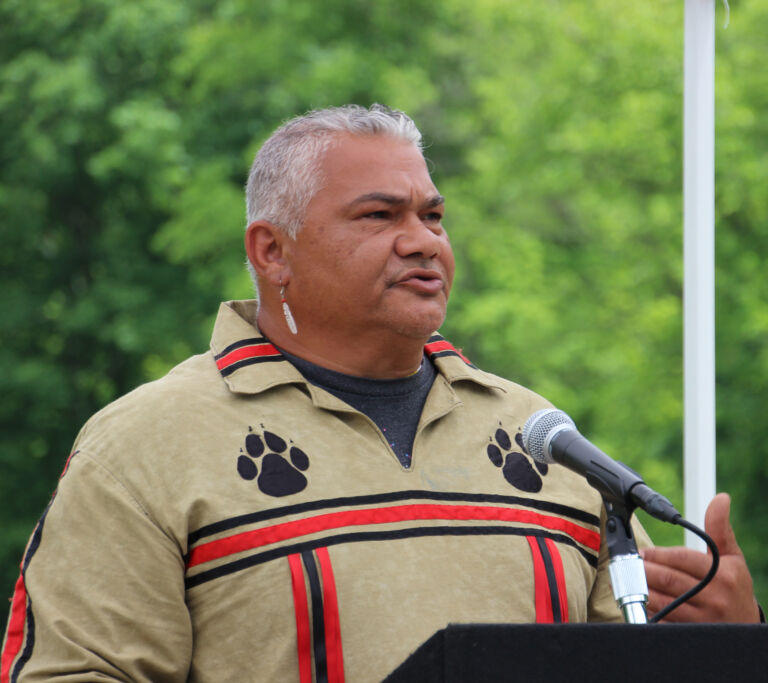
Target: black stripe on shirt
34,544
554,594
392,497
250,361
318,617
362,536
28,646
448,352
253,341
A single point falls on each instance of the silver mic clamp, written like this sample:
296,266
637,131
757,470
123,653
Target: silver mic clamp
630,587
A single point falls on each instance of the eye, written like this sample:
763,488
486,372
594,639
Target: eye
377,215
433,217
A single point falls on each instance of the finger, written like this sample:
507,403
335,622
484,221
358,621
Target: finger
717,524
657,601
668,581
686,612
680,559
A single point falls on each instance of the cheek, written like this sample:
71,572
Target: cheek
350,257
325,252
446,258
372,254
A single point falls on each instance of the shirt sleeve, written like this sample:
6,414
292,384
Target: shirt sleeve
101,592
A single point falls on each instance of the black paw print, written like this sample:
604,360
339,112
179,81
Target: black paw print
278,476
515,466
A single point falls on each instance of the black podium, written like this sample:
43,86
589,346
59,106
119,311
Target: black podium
694,653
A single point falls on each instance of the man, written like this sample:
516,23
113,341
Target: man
333,482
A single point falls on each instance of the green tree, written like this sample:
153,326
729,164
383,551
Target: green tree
96,156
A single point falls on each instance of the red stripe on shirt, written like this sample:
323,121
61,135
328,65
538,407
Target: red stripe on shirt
257,538
333,647
562,592
16,624
302,619
542,600
443,345
66,464
246,352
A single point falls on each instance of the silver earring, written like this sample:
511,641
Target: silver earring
287,311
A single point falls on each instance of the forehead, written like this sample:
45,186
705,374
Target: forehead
357,165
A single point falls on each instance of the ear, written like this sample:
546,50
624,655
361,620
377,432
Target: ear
267,246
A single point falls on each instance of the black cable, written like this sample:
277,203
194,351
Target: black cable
699,586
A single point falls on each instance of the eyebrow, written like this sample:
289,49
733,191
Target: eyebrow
394,200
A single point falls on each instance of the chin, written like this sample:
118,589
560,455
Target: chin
418,327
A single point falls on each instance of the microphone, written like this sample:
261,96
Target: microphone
550,436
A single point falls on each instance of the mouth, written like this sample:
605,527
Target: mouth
421,280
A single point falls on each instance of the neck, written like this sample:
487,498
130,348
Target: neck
376,355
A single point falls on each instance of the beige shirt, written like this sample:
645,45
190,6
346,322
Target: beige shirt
232,522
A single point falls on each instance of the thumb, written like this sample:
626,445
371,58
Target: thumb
717,524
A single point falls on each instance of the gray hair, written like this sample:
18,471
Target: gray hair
285,174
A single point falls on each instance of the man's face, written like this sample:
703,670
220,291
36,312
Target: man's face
372,255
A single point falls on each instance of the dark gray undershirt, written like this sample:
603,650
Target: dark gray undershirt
394,405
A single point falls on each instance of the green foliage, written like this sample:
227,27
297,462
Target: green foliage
742,288
554,129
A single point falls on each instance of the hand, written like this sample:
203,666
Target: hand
672,571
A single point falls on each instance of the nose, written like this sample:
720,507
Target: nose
420,238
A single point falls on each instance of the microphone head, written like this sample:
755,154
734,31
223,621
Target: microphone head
539,430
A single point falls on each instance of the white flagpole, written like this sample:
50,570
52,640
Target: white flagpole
699,261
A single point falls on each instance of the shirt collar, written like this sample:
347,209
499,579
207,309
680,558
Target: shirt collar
250,364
